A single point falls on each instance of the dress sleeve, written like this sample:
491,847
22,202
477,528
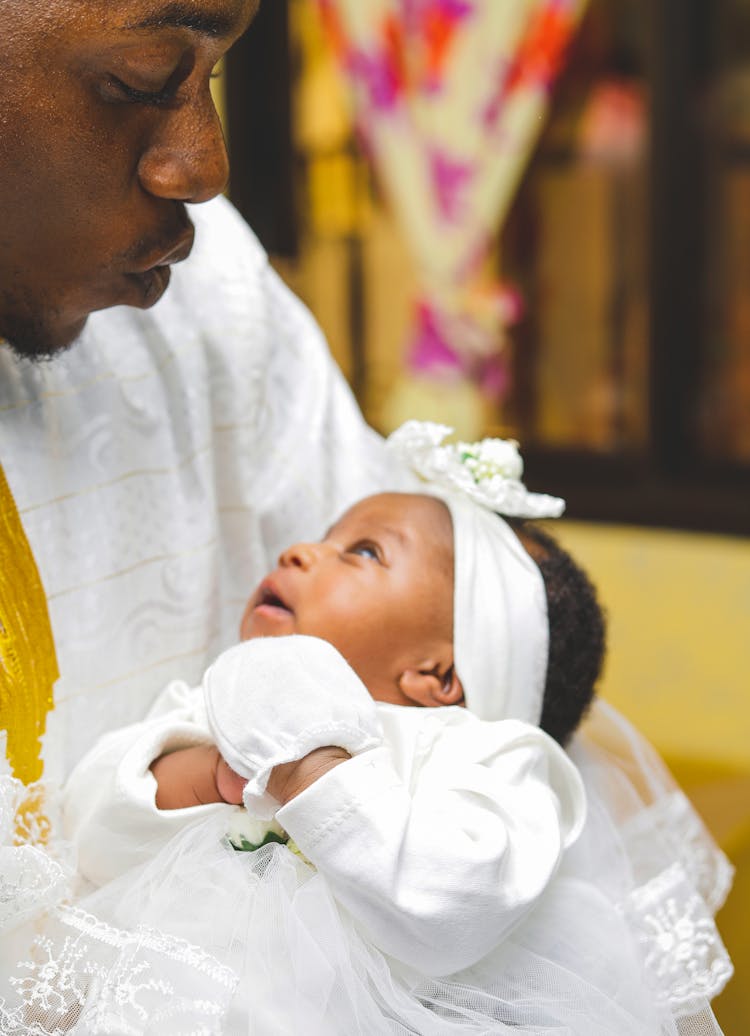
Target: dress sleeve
109,800
439,869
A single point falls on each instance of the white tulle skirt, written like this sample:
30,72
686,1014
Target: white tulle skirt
205,939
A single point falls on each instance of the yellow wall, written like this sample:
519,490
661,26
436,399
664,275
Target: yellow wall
679,616
679,656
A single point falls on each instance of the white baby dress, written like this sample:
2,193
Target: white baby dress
205,939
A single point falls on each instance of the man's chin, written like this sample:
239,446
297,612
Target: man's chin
38,341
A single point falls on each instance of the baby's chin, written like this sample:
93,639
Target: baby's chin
267,622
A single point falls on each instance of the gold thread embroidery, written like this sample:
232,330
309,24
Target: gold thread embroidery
28,662
201,548
137,473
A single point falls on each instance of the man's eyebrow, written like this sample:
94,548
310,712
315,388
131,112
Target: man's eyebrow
184,15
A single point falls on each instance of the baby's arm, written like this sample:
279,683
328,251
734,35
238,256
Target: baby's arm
438,868
437,835
110,799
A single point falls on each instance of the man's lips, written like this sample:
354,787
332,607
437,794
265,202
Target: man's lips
173,253
152,280
149,286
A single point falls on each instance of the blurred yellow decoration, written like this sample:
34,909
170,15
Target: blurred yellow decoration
322,114
218,91
338,195
339,199
28,662
456,402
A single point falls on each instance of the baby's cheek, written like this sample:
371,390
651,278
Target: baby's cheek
245,623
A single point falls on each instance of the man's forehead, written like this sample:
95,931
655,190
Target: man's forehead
214,18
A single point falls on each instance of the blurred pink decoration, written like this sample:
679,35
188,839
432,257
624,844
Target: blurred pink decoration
613,123
450,97
432,351
451,180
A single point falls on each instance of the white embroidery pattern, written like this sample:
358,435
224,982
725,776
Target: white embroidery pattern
684,956
29,879
708,870
116,982
35,871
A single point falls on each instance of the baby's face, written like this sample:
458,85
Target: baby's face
379,587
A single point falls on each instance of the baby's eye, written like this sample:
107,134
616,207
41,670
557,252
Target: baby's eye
366,549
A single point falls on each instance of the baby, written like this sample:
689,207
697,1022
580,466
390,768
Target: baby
379,588
398,705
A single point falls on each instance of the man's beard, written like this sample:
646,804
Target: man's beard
29,336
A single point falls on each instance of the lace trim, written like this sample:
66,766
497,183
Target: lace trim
689,841
36,865
171,946
115,982
685,959
30,880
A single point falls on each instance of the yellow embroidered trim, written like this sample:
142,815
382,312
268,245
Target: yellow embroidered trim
28,662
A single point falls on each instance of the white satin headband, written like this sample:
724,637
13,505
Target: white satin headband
501,634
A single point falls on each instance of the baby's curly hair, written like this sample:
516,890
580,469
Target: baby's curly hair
577,633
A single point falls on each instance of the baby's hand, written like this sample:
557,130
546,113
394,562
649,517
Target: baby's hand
276,700
195,776
290,779
228,783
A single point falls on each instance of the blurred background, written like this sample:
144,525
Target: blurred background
532,219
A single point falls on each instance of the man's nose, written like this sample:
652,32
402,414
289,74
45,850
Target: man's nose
186,160
301,555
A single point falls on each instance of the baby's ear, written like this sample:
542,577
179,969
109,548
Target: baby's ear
430,687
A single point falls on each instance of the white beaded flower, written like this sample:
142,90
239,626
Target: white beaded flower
488,472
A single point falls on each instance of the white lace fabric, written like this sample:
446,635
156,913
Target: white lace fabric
84,975
203,939
36,867
684,957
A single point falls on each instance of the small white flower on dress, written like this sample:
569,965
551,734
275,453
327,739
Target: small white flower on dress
246,833
488,472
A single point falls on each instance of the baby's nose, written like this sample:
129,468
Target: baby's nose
299,555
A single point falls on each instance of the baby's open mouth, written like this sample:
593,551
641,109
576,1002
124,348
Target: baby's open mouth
269,598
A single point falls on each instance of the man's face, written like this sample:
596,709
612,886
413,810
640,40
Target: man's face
107,128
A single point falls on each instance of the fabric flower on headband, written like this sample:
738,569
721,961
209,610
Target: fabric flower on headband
487,472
